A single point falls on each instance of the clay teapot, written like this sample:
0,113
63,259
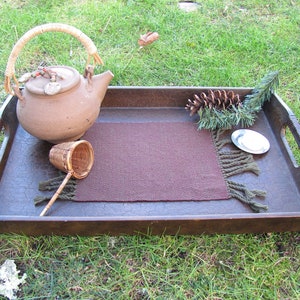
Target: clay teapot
57,104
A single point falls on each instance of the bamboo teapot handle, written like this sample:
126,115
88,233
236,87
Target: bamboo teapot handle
58,27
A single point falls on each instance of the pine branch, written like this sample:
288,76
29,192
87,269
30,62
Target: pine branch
213,118
262,92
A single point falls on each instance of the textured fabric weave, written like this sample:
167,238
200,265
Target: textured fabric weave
154,161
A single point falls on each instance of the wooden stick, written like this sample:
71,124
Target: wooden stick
54,197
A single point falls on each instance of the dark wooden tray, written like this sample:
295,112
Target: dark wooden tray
24,163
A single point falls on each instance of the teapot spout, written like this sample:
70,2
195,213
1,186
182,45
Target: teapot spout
101,83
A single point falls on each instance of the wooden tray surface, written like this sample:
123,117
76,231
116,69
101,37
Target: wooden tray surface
24,163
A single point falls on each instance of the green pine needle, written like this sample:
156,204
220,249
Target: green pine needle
246,114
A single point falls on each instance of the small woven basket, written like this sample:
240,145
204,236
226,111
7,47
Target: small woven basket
76,158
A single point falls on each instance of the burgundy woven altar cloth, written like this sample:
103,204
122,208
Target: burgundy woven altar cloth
155,161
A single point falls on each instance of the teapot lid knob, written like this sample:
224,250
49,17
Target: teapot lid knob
52,88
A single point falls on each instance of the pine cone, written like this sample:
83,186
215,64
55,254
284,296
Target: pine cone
218,99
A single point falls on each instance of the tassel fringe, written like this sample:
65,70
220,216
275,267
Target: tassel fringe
240,192
235,162
64,196
54,183
68,193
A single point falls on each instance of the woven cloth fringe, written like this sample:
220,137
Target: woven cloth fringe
232,162
68,192
235,162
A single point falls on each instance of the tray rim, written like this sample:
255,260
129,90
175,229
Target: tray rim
180,225
209,224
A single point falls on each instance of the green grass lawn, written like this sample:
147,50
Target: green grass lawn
224,43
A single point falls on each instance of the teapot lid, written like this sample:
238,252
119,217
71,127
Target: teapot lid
53,80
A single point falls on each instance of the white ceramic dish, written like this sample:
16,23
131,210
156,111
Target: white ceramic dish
250,141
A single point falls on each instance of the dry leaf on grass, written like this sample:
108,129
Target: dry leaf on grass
76,288
148,38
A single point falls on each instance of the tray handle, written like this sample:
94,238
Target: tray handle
294,128
58,27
